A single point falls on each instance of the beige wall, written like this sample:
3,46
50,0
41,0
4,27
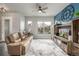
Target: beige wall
0,28
16,18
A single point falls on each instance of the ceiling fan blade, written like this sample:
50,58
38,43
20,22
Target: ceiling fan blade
43,11
45,8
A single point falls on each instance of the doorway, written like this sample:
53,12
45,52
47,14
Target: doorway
6,27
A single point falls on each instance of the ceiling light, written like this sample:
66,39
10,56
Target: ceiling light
39,11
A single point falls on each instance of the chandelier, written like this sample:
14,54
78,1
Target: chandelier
2,10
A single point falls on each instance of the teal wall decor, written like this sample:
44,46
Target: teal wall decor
69,13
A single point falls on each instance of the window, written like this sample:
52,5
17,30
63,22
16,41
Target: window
22,25
29,23
44,27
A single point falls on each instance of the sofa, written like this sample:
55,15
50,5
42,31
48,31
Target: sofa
18,43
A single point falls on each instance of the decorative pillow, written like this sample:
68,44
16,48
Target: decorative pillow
21,34
15,36
18,40
23,37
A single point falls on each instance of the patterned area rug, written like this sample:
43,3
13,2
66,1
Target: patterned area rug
44,47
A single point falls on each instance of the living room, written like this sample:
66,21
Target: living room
39,29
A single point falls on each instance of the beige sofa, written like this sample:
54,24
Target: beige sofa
18,43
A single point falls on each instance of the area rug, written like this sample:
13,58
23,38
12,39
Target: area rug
44,47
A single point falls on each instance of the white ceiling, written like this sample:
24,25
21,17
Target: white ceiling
29,9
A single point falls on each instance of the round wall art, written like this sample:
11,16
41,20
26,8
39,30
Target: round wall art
67,13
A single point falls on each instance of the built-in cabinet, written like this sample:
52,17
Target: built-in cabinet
61,34
66,36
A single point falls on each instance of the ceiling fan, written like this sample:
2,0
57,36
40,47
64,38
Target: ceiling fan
41,8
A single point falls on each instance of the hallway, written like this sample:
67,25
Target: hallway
44,47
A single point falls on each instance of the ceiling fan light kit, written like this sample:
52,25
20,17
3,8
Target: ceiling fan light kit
39,11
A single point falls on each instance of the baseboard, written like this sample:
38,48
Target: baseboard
2,41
